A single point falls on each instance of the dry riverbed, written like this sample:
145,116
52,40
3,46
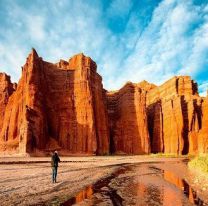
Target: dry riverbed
115,180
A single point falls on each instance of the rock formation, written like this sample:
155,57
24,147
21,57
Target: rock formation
57,106
177,117
6,89
64,106
128,120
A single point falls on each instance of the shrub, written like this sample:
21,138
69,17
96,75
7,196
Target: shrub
200,163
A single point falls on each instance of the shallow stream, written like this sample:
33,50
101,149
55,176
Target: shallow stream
141,185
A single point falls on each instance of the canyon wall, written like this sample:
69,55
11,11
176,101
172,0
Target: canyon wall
57,106
64,107
177,117
6,89
128,120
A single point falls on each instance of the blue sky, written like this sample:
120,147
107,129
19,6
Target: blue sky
130,40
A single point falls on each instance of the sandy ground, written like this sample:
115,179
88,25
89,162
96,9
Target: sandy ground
27,181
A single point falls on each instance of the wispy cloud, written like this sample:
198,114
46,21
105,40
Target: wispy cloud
203,88
129,40
173,43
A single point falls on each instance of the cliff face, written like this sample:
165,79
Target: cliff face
64,106
76,112
57,106
128,120
6,90
175,117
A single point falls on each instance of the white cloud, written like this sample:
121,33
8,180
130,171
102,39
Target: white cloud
199,51
119,8
168,47
203,89
173,42
36,28
11,60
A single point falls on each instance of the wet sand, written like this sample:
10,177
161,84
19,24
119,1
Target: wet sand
115,180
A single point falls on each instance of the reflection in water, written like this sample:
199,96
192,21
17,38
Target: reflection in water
79,197
183,185
151,193
170,195
143,194
88,192
85,194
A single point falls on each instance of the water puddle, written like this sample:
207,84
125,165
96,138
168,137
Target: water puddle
184,186
168,195
102,187
167,190
82,195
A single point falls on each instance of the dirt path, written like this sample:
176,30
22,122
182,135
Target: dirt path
131,180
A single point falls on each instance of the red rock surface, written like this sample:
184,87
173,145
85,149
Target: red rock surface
64,106
128,120
175,117
57,106
6,89
203,132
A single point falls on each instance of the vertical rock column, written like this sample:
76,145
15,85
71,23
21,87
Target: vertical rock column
23,128
85,137
6,90
172,126
100,111
90,110
203,133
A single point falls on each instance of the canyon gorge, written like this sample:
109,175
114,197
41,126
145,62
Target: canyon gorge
64,107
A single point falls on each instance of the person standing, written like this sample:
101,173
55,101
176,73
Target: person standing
54,164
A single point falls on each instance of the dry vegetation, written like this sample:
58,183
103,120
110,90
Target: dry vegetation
200,163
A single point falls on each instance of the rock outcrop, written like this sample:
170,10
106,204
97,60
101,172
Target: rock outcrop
6,89
57,106
175,117
128,120
63,106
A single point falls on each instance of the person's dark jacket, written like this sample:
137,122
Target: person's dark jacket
55,160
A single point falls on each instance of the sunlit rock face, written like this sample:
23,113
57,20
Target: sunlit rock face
203,132
57,106
6,90
177,117
63,106
128,120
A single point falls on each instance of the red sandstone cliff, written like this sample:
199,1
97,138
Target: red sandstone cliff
64,106
57,106
175,119
128,120
6,89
